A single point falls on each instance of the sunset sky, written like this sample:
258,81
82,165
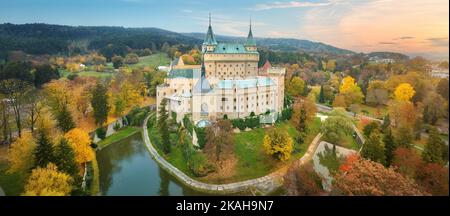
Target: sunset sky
414,27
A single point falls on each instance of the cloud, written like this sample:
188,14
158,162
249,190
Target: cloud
291,4
439,42
387,43
404,38
361,25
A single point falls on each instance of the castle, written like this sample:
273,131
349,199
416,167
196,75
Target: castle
228,82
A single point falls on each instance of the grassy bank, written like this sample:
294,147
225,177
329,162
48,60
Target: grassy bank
121,134
12,184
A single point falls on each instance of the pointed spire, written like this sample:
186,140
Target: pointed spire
209,38
209,18
250,40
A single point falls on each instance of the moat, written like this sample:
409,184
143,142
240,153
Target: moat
126,168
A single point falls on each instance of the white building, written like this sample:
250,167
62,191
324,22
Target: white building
227,83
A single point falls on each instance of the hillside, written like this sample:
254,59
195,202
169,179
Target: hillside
282,44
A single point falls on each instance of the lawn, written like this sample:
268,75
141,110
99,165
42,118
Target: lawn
12,184
349,142
152,61
175,157
119,135
253,162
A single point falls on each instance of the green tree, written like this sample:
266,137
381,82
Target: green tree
369,128
65,158
45,73
44,152
433,149
374,148
442,88
64,119
117,61
389,146
163,127
337,125
99,102
321,95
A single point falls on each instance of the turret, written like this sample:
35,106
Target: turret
210,42
250,44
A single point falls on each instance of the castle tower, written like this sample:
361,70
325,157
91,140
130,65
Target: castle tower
250,44
210,42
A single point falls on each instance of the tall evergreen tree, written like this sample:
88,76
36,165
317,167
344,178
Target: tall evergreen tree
64,119
100,104
374,148
321,95
386,123
163,127
389,146
433,149
65,158
44,151
302,126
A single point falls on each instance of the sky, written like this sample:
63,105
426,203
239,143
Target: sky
413,27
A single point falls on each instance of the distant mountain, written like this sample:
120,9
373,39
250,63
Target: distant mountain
388,55
55,39
282,44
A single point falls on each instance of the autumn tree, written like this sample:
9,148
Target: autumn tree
373,148
406,161
34,108
404,92
21,154
15,91
48,181
99,102
435,107
44,151
351,91
295,87
80,142
131,58
337,125
433,178
339,101
219,140
377,93
303,181
278,144
435,148
360,177
442,88
304,112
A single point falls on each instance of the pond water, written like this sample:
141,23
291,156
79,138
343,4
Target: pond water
126,168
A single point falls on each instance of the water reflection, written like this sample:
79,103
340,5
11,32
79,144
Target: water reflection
126,168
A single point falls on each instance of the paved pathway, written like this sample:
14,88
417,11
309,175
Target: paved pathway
265,184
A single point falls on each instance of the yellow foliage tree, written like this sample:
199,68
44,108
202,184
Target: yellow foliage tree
295,87
80,142
351,91
20,155
73,67
404,92
278,144
48,182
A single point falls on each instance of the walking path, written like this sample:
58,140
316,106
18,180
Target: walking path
265,184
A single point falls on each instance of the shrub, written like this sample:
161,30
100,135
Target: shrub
72,76
101,133
201,136
116,126
199,166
